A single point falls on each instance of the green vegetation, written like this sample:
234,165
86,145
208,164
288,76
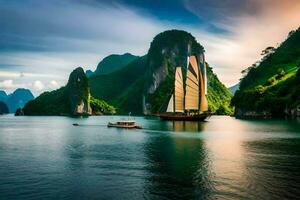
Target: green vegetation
49,103
172,41
285,57
127,81
65,101
218,95
125,87
101,107
272,86
114,62
169,50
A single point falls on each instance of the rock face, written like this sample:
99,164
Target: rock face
145,84
168,50
79,93
73,99
3,108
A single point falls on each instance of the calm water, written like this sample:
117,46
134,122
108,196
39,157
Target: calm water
225,158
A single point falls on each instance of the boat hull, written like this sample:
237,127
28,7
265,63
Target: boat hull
123,126
184,117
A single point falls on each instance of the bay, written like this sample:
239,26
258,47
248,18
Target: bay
224,158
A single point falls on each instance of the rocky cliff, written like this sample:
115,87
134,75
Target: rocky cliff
74,99
150,77
169,50
78,92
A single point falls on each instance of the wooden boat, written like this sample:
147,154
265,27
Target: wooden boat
185,117
188,100
124,124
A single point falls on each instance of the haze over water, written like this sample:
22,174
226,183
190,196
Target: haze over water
226,158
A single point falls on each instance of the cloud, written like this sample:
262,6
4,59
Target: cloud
11,74
6,84
45,40
38,85
10,85
248,29
72,26
53,85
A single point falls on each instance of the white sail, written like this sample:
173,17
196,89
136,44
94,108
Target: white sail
171,105
192,85
178,91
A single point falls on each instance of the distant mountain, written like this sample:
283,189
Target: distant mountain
123,88
3,96
149,77
74,99
271,88
3,108
113,63
126,81
89,73
17,99
234,88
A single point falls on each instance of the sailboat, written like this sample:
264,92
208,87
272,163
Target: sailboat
188,101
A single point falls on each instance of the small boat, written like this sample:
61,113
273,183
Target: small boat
75,124
124,124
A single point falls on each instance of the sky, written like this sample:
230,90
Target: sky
42,41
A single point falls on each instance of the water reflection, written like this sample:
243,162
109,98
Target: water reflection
186,126
273,168
224,158
226,152
178,168
178,126
251,159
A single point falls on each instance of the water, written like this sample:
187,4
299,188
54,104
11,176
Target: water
225,158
